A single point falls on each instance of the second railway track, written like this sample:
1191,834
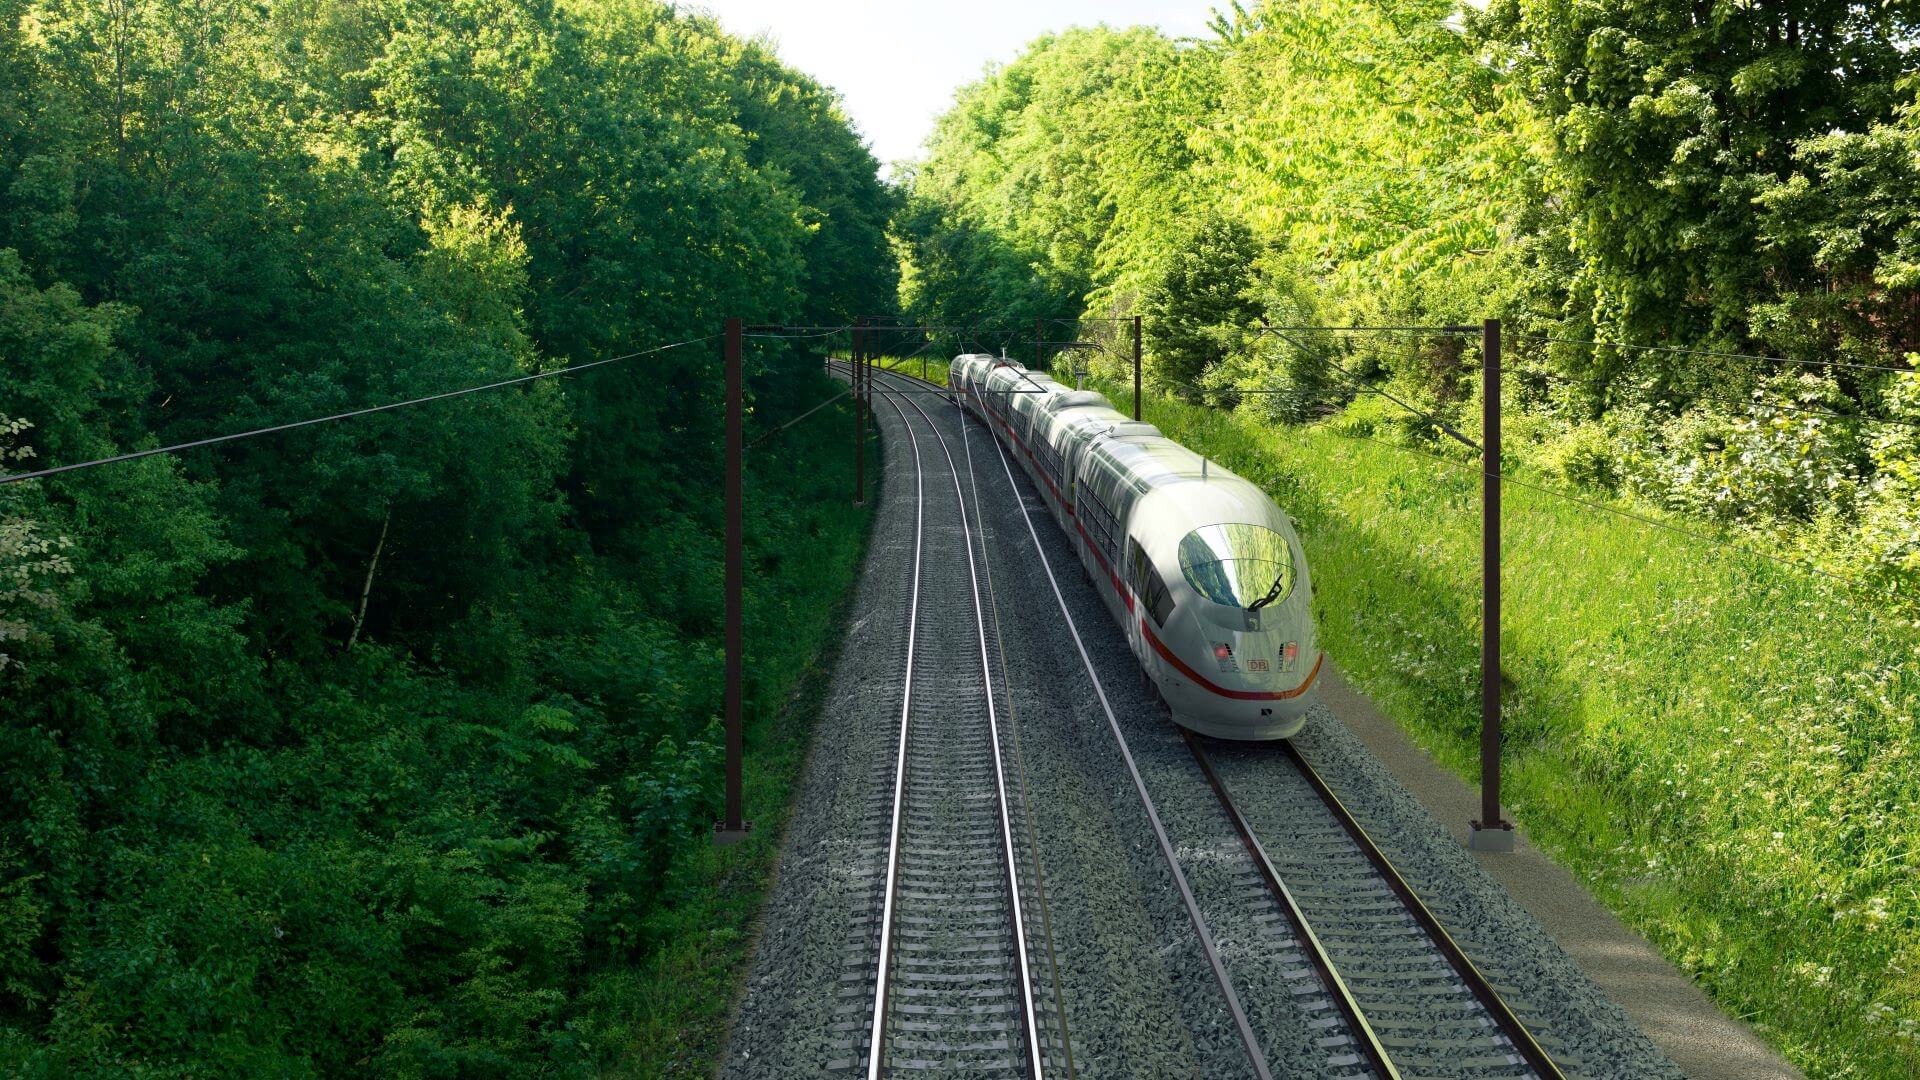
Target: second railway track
1427,1009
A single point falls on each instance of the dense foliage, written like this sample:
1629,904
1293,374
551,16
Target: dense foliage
379,746
1646,174
1700,225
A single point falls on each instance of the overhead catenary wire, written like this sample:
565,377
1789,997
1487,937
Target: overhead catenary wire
1605,508
812,334
1845,364
1552,340
1592,384
1423,331
800,330
15,478
1590,503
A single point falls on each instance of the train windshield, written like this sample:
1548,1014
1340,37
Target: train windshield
1245,566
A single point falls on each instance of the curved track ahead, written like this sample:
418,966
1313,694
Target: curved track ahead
1408,1000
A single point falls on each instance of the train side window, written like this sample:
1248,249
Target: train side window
1147,584
1100,527
1049,457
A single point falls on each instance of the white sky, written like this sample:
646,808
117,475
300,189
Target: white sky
898,63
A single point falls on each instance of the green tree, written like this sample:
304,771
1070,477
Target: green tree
1668,120
1201,308
382,745
1046,185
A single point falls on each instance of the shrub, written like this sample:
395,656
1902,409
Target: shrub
1888,535
1199,307
1586,454
1787,456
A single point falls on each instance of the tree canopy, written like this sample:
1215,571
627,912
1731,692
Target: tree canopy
371,746
1736,180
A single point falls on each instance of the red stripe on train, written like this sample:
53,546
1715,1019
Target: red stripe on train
1214,688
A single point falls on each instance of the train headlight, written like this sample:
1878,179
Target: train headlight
1223,652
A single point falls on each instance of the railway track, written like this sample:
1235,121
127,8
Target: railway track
1255,1055
1427,1007
940,974
1389,991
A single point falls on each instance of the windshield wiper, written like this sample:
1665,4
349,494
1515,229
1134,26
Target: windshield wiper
1272,594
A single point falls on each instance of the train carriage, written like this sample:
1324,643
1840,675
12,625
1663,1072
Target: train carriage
1203,572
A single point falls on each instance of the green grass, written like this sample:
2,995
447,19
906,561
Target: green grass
680,998
1722,748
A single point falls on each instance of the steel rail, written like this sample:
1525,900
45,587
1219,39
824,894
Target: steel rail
1369,1042
881,976
1034,1063
877,1040
1531,1052
1504,1019
1370,1046
1256,1056
1019,761
1509,1023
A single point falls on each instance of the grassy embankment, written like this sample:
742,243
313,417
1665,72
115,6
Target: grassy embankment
798,584
1721,747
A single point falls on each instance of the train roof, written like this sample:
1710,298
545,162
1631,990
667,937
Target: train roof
1078,399
1150,463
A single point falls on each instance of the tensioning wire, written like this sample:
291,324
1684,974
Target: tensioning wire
797,419
1710,352
1591,384
1614,510
1362,384
14,478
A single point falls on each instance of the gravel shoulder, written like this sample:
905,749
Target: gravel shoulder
784,1023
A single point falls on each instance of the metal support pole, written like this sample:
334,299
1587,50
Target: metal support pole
1136,367
859,413
1491,832
732,829
1039,335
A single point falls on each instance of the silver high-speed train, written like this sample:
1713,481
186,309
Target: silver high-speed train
1205,575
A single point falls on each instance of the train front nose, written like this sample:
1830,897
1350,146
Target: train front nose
1242,683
